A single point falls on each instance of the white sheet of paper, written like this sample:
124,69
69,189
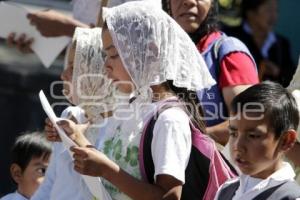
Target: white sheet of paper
93,183
13,19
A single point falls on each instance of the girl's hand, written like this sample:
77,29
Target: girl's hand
51,132
90,161
75,131
22,43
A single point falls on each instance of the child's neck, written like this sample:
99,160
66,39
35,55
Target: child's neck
269,171
22,192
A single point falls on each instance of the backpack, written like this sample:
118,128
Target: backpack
206,171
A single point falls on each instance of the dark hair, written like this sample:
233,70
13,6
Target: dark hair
191,104
210,23
29,146
280,107
250,5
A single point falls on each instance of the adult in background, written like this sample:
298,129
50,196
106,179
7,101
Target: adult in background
228,60
270,50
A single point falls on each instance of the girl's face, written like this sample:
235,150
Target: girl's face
114,66
67,74
190,14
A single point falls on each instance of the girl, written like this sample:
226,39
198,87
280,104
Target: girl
89,89
150,51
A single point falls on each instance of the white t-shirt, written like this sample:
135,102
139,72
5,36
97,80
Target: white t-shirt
172,143
14,196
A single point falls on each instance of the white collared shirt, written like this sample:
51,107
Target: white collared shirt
14,196
250,187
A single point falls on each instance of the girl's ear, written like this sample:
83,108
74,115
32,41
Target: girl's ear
16,172
288,140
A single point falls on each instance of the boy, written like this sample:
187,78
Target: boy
30,157
262,128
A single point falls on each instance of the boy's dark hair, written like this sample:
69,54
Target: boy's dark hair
29,146
209,25
250,5
280,107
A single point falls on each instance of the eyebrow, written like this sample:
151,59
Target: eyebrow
109,47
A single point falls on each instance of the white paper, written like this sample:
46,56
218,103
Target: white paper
93,183
13,19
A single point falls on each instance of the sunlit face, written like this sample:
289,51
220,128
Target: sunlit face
253,147
67,74
114,66
33,175
190,14
265,17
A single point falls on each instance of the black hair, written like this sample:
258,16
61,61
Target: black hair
250,5
280,107
29,146
209,25
191,104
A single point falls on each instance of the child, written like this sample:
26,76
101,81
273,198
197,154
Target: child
30,157
262,128
88,91
148,49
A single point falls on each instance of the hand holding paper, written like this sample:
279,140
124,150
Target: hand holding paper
13,19
93,183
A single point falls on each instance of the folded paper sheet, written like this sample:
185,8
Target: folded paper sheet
13,19
93,183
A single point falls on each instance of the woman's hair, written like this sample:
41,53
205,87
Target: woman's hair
210,23
191,104
278,106
29,146
250,5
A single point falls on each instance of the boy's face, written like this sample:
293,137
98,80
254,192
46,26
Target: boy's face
30,179
253,145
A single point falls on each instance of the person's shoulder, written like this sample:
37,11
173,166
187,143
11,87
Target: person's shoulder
173,114
9,196
13,196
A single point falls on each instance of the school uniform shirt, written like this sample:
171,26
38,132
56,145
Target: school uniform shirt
14,196
251,187
171,143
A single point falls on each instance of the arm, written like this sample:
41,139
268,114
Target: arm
53,24
167,186
237,73
91,162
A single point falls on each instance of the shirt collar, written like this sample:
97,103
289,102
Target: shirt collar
285,173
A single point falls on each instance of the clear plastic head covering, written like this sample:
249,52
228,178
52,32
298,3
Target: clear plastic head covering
93,91
154,48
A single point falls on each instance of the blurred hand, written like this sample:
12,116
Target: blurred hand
51,132
90,161
22,43
75,131
50,23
